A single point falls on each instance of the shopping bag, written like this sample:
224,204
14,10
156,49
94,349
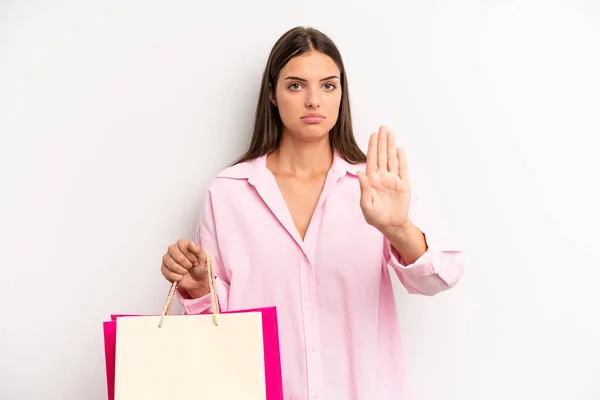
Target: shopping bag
216,356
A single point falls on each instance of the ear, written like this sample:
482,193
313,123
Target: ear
272,96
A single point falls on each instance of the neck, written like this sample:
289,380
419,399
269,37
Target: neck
301,158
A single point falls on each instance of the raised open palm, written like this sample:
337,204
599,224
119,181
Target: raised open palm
385,188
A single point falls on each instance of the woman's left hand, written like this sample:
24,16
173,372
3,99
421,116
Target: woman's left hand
385,188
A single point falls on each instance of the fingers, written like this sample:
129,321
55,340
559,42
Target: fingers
197,251
178,257
184,248
199,271
382,154
201,255
170,275
403,165
382,148
372,154
184,258
191,246
366,192
178,260
392,154
172,265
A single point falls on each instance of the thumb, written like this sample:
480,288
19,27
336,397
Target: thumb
366,192
199,273
197,251
193,247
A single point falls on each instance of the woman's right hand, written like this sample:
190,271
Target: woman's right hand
185,263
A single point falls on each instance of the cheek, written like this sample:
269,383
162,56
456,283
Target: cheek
333,105
288,107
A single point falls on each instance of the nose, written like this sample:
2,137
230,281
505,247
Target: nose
312,98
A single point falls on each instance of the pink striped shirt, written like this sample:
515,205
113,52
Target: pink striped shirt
339,332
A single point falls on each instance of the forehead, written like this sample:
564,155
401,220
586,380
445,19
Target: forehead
312,65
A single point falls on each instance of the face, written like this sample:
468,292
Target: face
308,96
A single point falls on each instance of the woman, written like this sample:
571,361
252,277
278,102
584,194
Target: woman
308,223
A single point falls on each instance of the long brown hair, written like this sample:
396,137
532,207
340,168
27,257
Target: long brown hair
268,127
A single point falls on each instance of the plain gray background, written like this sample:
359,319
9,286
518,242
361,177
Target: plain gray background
115,117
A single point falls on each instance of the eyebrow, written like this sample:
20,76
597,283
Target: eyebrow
295,78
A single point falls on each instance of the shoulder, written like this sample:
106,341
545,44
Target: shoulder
233,180
238,171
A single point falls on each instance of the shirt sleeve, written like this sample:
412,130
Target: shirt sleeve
206,238
441,266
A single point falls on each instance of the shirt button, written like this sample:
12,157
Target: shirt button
309,304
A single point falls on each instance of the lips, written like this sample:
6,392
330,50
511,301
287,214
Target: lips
313,118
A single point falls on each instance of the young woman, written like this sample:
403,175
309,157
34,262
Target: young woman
306,222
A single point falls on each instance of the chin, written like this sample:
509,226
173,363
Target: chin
313,132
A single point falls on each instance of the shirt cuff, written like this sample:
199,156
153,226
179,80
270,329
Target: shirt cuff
436,261
193,306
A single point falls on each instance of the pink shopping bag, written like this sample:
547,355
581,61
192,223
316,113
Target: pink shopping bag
217,356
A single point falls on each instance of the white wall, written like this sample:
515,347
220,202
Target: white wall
115,116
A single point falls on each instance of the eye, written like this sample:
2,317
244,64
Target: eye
329,86
294,86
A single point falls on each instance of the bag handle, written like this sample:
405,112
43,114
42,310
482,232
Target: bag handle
213,294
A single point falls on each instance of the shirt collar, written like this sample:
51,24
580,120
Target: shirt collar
258,166
342,167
